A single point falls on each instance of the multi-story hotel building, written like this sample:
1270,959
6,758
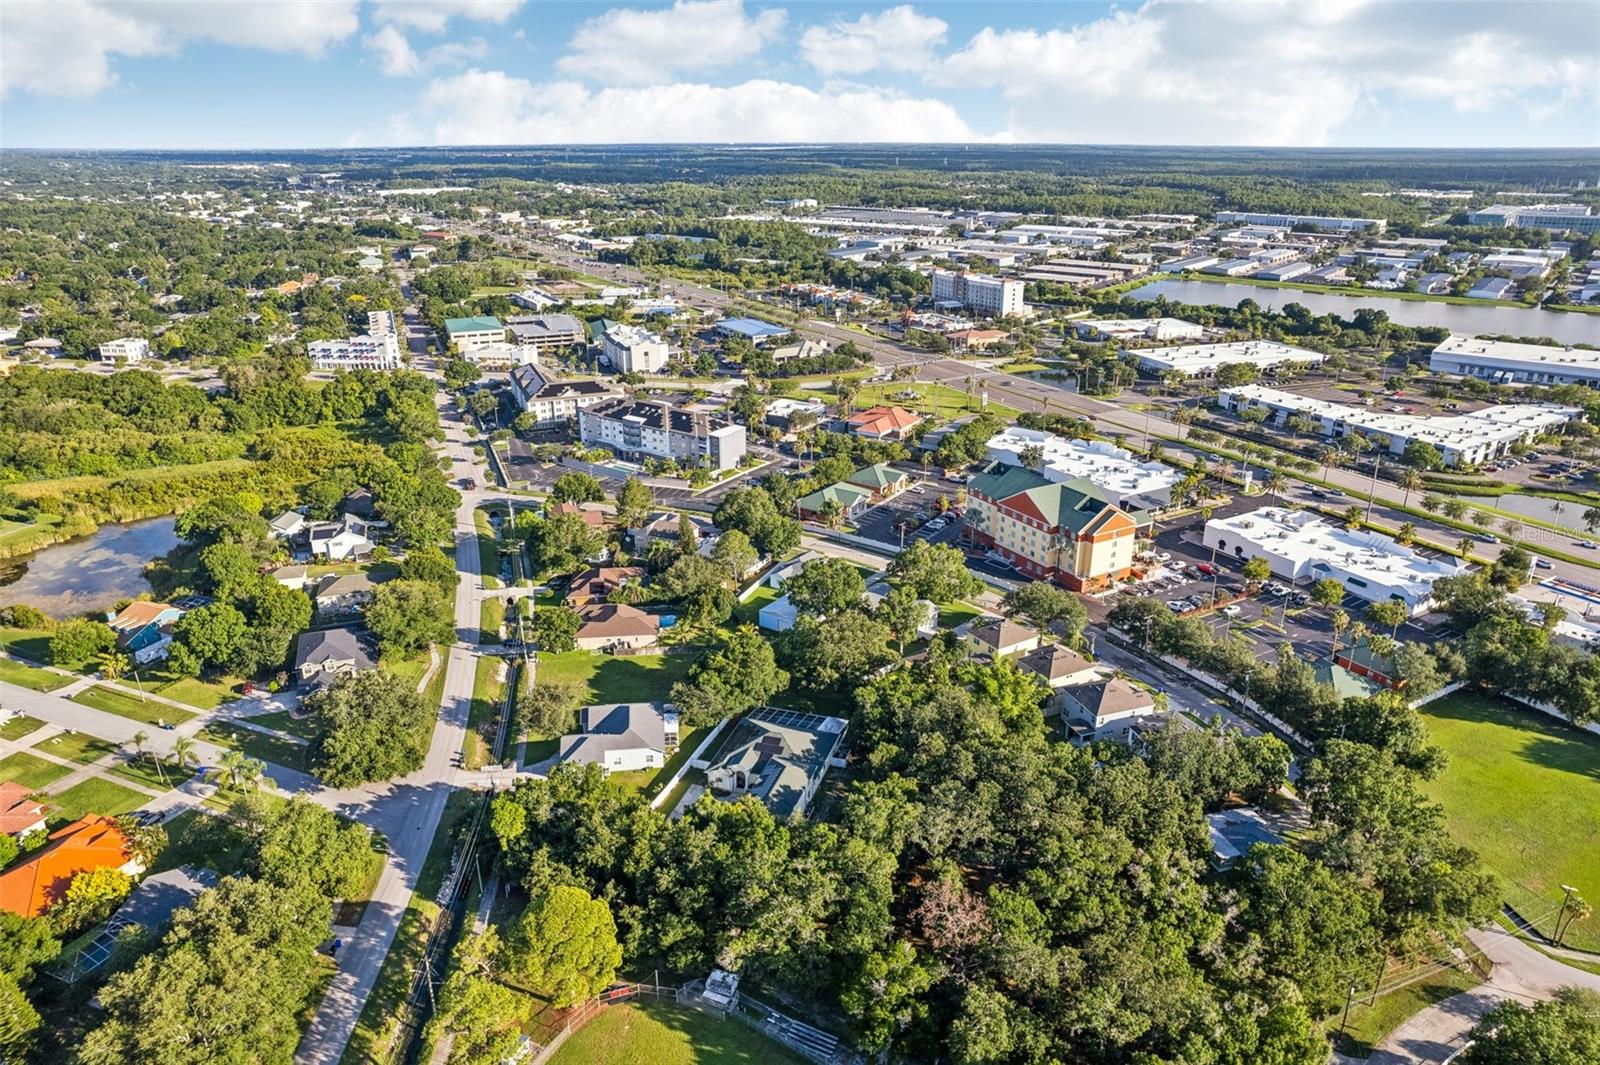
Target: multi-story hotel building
1050,530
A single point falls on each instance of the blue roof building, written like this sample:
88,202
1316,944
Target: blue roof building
752,329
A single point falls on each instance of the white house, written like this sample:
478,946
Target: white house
126,349
339,540
1105,710
622,737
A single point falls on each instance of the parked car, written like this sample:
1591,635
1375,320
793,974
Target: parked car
1176,606
1207,568
1232,610
1302,598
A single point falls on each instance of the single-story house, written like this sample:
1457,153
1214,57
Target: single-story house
780,757
346,593
596,585
622,737
1105,710
1059,666
1001,637
323,655
883,423
39,881
295,577
784,570
778,615
850,499
882,480
339,540
19,812
144,629
666,525
593,514
161,895
610,626
288,525
359,504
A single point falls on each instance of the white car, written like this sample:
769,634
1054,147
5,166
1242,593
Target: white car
1232,610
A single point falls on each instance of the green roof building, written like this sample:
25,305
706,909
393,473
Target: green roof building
850,498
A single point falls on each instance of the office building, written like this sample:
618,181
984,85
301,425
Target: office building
1113,472
1299,545
1555,217
1137,329
630,349
501,353
752,329
128,349
1463,439
979,293
641,428
1506,361
1202,360
1050,530
547,332
553,402
1290,221
470,333
356,353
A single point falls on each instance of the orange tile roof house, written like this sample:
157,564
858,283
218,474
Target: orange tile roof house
597,584
40,880
884,423
19,813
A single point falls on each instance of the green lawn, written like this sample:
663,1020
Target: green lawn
639,679
125,704
30,771
748,611
647,782
664,1033
76,747
93,796
1368,1025
199,838
488,551
259,745
19,726
407,669
491,613
1523,790
488,693
283,721
33,644
140,770
200,694
39,680
941,401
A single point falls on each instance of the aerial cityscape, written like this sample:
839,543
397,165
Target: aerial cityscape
700,533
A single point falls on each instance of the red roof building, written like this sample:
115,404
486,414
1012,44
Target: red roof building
884,423
19,813
40,880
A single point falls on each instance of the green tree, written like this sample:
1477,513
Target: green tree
89,899
210,636
1046,606
577,487
76,642
549,708
1421,455
937,572
407,616
19,1021
1256,572
459,373
483,1015
430,565
903,613
740,673
564,946
826,587
635,501
834,654
370,726
25,944
1328,592
1390,613
559,544
299,842
1562,1031
736,553
699,588
226,569
556,628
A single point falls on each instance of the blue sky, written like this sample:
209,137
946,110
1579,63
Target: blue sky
331,73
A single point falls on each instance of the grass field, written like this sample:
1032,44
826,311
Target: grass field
76,747
748,611
258,745
491,615
39,680
70,486
192,691
30,771
140,770
93,796
941,401
664,1033
124,704
19,726
647,782
1523,790
283,721
33,644
488,550
488,693
639,679
1368,1025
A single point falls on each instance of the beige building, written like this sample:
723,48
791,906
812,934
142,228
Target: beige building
1050,530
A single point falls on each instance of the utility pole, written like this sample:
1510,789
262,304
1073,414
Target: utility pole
1566,897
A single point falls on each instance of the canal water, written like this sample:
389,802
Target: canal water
92,573
1568,328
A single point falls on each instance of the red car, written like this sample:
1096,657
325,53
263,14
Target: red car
1207,568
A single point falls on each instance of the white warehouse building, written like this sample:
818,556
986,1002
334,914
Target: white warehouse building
1504,360
1299,545
1113,471
1462,439
1136,329
1202,360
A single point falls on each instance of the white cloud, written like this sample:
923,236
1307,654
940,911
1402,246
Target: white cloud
492,107
66,48
896,39
397,59
626,46
431,16
1272,72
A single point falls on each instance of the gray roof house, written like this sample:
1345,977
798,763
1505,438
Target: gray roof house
621,737
1107,709
342,593
324,654
780,757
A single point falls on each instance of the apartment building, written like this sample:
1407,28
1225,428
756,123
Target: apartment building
356,353
642,428
1050,530
630,349
129,350
979,293
553,402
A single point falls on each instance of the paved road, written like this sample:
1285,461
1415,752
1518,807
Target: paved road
1521,974
408,810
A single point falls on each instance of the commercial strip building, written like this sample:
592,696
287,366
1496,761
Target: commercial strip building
752,329
642,428
130,350
1050,530
554,402
1300,545
631,349
1555,217
1289,221
1462,439
980,293
1114,473
470,333
1136,329
356,353
1202,360
1504,360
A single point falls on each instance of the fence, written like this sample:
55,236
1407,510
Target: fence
582,1015
806,1040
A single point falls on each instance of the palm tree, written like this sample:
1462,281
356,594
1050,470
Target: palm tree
1410,480
231,768
1275,484
183,751
139,739
250,773
1464,548
113,664
1339,620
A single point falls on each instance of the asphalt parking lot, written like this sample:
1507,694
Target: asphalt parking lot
912,509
